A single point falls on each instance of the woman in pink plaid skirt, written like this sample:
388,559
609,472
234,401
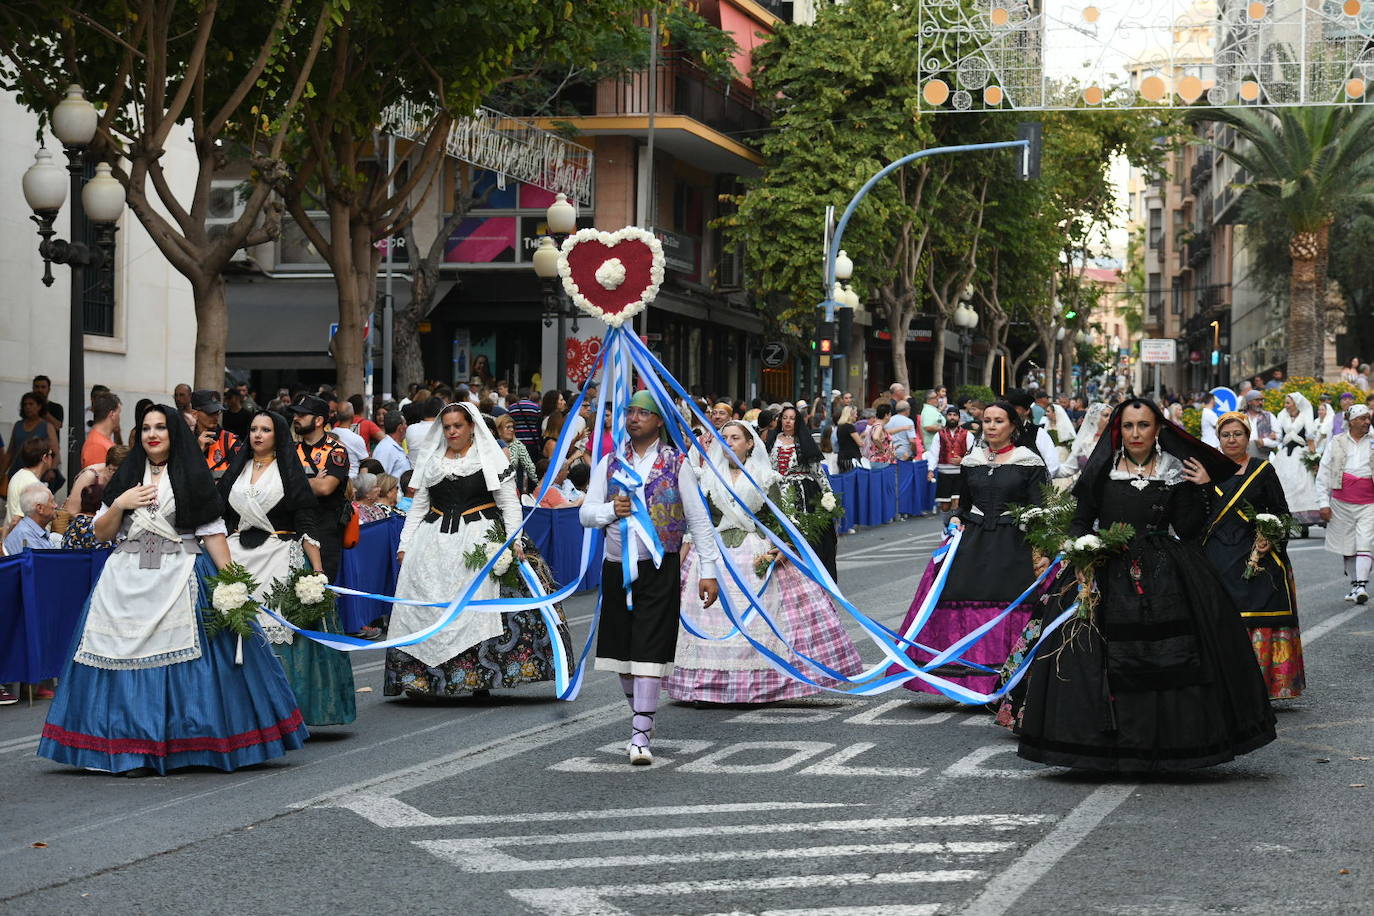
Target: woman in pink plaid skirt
719,670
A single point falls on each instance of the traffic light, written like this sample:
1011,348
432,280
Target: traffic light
825,342
1028,157
1070,315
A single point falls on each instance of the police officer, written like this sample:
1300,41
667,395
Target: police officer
217,444
326,466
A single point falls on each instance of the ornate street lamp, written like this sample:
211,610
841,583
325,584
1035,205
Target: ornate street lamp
561,219
101,200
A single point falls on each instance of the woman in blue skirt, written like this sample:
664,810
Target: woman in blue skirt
146,690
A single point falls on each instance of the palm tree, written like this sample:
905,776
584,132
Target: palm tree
1306,166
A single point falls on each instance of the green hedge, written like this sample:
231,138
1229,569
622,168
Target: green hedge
980,392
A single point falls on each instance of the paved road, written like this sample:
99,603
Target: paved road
900,805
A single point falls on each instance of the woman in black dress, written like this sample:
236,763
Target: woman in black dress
797,459
1164,678
1266,600
993,564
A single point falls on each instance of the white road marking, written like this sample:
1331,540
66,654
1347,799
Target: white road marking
714,762
591,901
617,751
836,765
898,909
1002,892
972,764
1330,623
874,715
791,715
387,812
470,758
483,855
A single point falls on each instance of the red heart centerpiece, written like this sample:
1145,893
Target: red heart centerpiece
612,275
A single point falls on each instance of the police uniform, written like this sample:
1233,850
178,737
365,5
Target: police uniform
221,452
326,458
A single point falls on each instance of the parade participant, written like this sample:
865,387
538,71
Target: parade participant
465,503
993,564
1345,495
1208,416
717,670
216,444
1297,434
1266,600
950,446
1028,434
1347,400
1161,677
270,515
325,462
798,458
1094,422
147,690
1326,419
640,644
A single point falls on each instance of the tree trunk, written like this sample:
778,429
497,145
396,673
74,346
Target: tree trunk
348,341
937,335
405,323
898,319
212,330
1308,251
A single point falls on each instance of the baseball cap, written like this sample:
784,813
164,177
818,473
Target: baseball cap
206,400
310,404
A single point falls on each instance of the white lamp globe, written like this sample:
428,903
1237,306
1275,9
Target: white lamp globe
844,267
103,196
546,259
45,184
562,216
74,120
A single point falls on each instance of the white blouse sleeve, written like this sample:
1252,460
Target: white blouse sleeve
419,508
213,527
508,504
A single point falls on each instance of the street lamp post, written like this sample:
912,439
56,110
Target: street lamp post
1216,353
74,122
561,219
965,319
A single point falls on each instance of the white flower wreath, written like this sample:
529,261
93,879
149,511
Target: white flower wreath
611,273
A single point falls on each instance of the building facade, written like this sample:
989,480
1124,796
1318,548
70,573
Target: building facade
139,336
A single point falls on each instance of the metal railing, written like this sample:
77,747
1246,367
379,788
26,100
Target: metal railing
683,88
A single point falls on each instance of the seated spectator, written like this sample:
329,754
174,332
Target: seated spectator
32,531
371,466
366,494
87,491
575,487
36,458
407,492
554,498
388,489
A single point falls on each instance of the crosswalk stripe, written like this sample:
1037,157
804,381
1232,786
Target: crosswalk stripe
485,855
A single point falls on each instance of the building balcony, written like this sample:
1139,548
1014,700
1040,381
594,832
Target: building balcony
710,122
1201,173
1198,250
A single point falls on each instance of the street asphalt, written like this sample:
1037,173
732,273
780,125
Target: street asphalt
898,805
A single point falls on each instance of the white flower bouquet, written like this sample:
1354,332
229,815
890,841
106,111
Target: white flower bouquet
303,598
231,599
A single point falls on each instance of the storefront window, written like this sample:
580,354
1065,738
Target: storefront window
505,228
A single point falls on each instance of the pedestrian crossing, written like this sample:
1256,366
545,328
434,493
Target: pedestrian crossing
760,857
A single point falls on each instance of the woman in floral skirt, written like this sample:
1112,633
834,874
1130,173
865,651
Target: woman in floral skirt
465,502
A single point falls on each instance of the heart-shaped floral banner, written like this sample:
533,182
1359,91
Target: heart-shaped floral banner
612,275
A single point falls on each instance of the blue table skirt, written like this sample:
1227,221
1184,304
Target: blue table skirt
875,497
42,593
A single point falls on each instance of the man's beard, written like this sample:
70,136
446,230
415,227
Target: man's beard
302,432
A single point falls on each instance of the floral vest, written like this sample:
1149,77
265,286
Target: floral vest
661,494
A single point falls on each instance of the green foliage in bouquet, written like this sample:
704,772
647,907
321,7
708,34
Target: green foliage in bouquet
232,606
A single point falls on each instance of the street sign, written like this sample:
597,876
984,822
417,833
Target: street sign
1226,399
1157,351
773,354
